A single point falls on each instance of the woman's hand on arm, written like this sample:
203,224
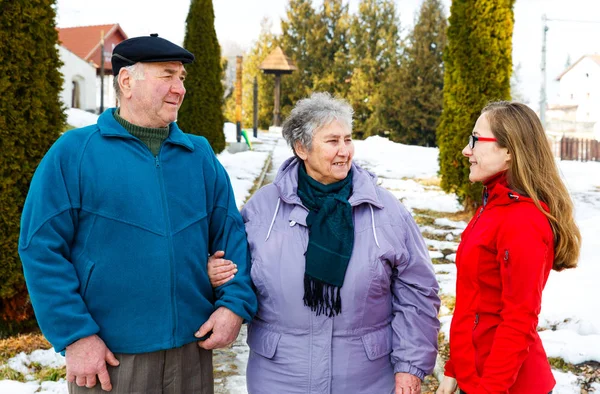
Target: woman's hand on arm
407,383
220,270
448,386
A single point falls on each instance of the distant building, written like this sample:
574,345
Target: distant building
578,106
79,81
83,43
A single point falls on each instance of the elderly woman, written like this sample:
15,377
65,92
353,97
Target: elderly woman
347,294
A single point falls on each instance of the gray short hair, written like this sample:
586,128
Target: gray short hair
137,72
311,114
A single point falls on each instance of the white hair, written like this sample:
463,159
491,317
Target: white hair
311,114
135,70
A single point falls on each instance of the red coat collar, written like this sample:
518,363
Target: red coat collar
496,191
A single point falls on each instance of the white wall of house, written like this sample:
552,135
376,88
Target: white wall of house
581,86
79,78
110,97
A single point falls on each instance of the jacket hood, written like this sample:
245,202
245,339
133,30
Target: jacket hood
364,184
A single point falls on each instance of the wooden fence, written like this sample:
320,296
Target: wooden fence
580,149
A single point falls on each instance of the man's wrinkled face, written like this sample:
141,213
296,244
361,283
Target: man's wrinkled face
156,98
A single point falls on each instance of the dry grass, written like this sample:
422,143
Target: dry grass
441,261
437,237
429,385
455,216
27,343
44,374
10,374
427,181
449,301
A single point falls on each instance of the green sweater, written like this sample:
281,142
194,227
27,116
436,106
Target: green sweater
152,137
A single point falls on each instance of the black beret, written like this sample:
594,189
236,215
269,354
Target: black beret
147,49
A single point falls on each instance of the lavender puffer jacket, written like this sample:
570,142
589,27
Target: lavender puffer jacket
389,318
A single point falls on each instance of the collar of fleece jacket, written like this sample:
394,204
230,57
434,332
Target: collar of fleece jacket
497,192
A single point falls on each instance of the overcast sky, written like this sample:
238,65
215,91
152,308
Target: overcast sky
238,22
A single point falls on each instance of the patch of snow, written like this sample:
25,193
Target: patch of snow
59,387
80,118
391,160
450,223
47,358
449,268
441,245
445,322
230,131
20,363
440,231
243,169
14,387
571,346
415,196
566,383
434,254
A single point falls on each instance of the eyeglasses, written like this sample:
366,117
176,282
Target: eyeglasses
473,139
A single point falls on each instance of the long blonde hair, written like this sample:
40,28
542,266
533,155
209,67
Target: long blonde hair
533,172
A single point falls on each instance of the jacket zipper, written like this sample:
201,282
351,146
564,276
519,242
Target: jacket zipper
485,200
170,245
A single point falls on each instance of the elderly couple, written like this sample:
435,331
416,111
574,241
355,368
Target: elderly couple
329,270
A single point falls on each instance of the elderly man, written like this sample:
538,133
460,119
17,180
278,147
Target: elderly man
116,232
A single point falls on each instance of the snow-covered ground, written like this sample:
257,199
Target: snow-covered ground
569,317
79,118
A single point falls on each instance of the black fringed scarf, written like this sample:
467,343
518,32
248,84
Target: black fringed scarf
330,241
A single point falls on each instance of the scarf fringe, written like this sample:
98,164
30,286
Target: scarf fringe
322,298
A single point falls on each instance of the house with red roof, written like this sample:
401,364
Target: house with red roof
83,48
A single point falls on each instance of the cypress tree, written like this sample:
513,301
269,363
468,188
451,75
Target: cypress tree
297,42
478,66
331,35
413,92
31,119
202,110
374,49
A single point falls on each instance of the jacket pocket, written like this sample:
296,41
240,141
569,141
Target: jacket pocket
84,281
378,343
262,341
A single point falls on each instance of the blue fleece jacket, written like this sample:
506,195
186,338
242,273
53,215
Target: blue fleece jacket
115,241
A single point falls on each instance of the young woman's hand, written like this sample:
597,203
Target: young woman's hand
448,386
220,270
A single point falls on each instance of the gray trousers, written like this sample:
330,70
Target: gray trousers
184,370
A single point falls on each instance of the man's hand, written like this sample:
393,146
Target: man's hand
407,384
87,358
448,386
220,271
225,326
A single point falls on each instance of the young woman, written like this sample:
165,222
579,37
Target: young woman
524,228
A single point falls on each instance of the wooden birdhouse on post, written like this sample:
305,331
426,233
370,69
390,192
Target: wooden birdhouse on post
277,63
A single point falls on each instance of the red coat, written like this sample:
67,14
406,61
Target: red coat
503,262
